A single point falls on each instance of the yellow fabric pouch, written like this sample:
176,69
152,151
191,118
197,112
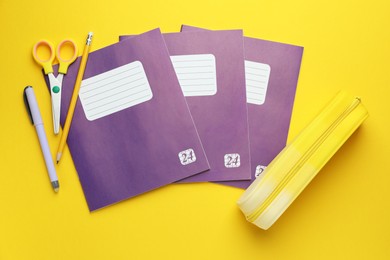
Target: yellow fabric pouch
290,172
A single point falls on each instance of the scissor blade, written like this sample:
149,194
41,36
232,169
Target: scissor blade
55,90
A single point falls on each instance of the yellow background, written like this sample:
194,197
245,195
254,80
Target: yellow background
343,214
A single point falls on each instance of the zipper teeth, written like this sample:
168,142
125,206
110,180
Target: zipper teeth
253,216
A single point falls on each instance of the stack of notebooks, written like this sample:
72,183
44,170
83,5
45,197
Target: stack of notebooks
193,106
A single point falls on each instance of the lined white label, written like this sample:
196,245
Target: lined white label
115,90
232,160
197,74
187,156
256,77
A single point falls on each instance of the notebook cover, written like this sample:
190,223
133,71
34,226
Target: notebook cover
221,119
269,122
135,150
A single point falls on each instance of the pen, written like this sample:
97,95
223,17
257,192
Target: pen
73,101
36,119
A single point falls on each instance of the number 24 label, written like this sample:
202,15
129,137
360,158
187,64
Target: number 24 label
187,156
232,160
259,170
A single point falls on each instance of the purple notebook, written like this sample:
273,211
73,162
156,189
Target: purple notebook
210,69
271,71
132,131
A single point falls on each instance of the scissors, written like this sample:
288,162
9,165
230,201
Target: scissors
55,82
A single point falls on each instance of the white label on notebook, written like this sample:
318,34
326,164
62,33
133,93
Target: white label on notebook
197,74
114,90
257,77
259,170
187,156
232,160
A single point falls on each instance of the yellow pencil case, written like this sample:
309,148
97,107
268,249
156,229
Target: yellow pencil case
290,172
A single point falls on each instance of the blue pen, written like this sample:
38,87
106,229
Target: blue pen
36,119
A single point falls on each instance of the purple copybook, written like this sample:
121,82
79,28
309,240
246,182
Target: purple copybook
210,69
271,71
132,131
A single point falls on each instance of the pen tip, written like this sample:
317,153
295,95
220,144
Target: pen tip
56,185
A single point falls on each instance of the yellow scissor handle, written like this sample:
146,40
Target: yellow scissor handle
46,64
64,64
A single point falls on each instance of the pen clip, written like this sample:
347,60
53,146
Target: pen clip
27,104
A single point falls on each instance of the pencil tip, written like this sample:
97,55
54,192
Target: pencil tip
58,157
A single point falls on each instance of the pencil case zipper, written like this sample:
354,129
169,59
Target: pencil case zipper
252,217
253,214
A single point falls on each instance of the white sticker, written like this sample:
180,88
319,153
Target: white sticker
259,170
232,160
187,156
115,90
256,77
197,74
